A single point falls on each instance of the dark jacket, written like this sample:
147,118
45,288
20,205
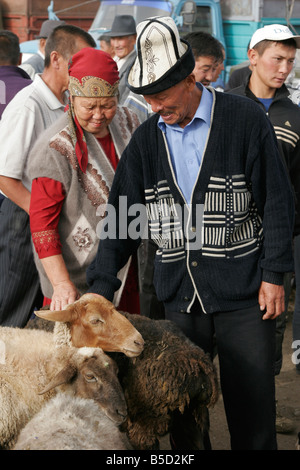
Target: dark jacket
123,88
247,221
13,79
285,118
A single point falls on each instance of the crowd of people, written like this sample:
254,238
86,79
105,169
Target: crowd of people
148,119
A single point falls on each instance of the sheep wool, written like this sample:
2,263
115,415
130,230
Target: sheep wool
71,423
62,334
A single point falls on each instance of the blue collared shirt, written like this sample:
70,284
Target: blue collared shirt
186,145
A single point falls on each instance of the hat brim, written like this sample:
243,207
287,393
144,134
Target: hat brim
178,72
271,38
297,40
118,34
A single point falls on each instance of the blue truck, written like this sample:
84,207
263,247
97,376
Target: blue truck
233,23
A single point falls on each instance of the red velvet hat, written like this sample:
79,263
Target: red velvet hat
93,73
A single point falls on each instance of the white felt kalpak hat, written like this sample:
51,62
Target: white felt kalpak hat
273,32
163,58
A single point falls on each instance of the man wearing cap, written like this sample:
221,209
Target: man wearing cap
28,114
123,37
35,64
207,169
272,53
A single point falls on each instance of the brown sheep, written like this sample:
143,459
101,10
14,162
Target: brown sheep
93,321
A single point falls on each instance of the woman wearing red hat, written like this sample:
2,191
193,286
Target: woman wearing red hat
72,167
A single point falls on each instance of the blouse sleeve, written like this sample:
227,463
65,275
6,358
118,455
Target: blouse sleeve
47,197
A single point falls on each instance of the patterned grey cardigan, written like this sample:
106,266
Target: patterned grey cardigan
53,156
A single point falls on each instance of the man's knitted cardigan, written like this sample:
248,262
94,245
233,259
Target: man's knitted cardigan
247,221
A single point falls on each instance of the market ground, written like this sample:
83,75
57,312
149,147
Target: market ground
287,395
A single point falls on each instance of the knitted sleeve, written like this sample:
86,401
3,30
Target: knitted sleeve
120,237
274,197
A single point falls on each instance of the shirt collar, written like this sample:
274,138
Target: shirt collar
49,97
203,111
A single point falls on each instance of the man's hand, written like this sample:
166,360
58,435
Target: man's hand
271,299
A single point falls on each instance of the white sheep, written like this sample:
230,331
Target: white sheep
71,423
33,367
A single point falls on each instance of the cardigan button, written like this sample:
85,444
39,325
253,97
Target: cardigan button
194,264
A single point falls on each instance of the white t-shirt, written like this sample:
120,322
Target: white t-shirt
28,114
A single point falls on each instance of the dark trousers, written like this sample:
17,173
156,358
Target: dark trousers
19,281
296,315
149,305
246,352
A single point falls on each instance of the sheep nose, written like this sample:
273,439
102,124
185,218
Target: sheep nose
139,343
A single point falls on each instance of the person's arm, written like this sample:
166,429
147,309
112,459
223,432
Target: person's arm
47,197
15,191
275,201
64,291
17,133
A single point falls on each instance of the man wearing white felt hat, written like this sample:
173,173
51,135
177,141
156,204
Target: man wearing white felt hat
207,168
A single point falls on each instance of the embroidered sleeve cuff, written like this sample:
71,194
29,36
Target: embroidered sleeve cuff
46,243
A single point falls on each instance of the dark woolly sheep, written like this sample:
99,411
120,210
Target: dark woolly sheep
36,323
172,383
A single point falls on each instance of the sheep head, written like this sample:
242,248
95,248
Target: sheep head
90,373
94,322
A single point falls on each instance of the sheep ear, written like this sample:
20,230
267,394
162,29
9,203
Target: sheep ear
66,315
62,377
70,313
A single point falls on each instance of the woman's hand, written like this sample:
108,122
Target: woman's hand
64,293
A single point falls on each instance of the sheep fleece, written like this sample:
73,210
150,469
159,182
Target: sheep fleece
71,423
